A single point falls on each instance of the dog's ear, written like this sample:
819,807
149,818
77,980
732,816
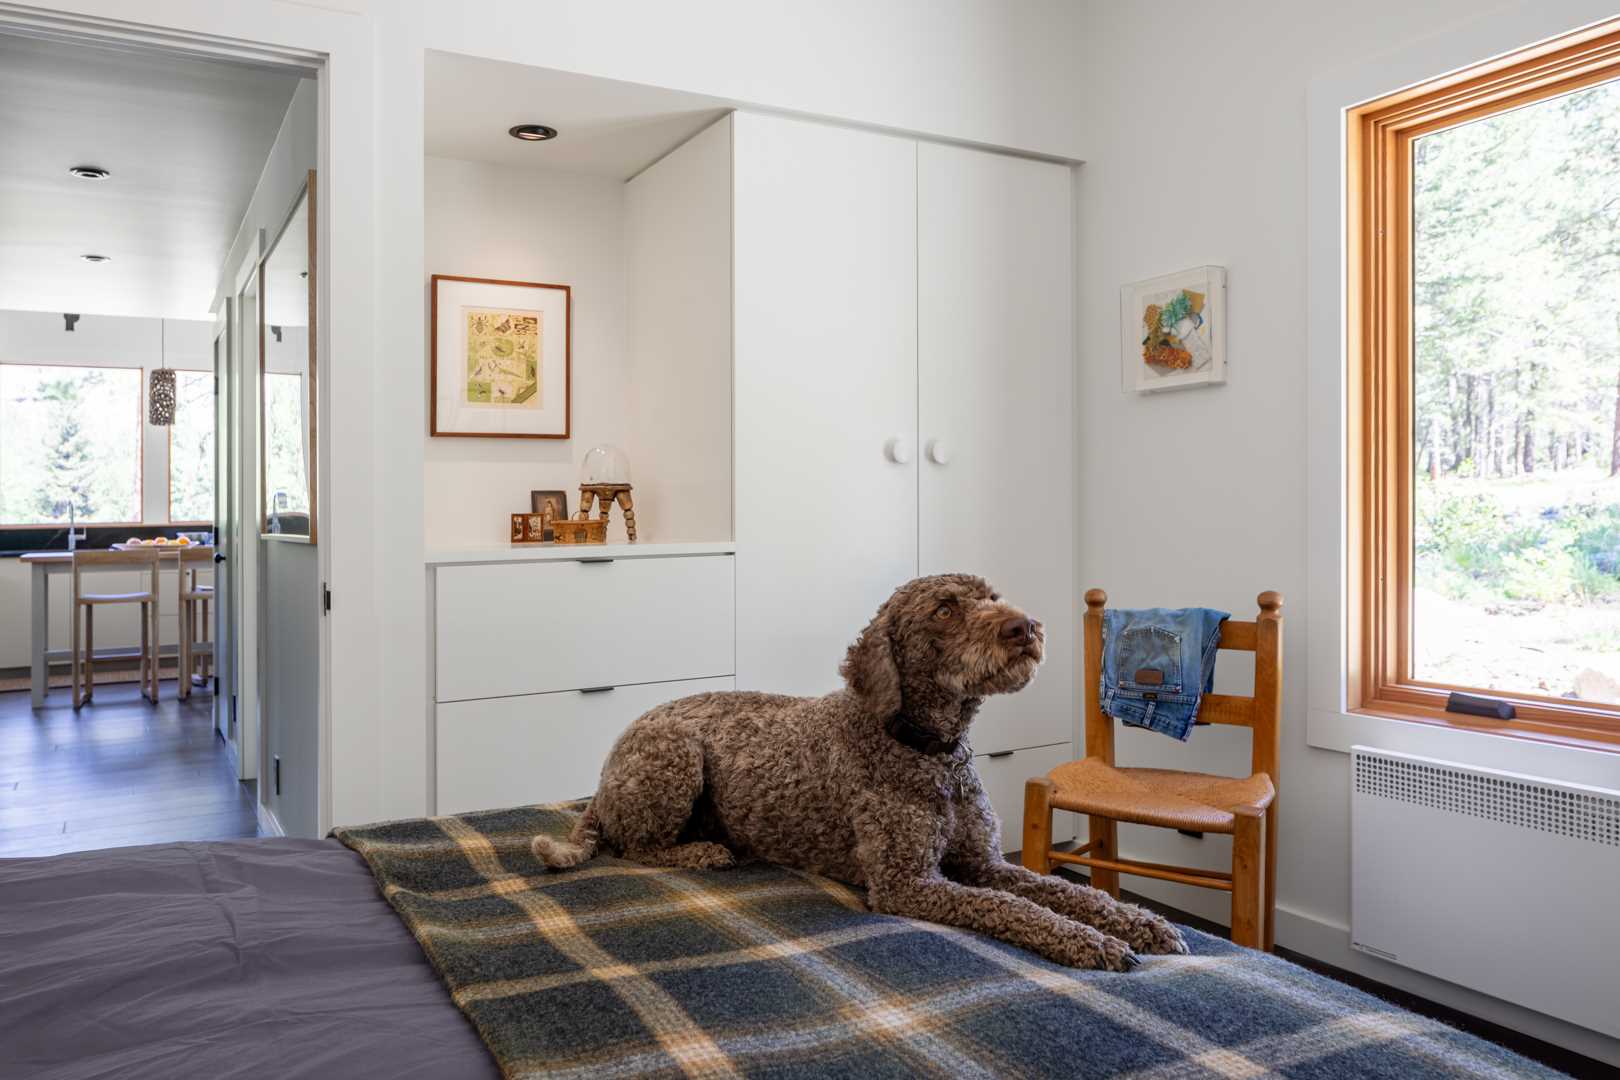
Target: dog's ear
870,672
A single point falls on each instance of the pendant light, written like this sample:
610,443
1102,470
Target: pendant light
161,394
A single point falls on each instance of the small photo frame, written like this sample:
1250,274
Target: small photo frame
1173,331
551,506
500,358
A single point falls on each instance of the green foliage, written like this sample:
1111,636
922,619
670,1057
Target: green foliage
1516,287
1471,546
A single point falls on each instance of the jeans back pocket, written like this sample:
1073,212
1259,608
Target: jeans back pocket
1148,659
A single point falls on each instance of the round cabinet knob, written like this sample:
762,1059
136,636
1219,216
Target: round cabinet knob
938,453
897,450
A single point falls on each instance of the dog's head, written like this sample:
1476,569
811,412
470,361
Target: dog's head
939,641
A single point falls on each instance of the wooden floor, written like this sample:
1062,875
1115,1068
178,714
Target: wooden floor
118,772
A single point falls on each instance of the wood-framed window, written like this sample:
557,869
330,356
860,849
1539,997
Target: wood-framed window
1483,455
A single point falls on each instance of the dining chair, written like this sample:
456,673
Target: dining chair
194,642
85,604
1244,807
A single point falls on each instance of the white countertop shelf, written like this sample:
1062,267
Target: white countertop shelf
516,553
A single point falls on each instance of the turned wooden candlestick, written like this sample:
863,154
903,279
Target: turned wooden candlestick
606,495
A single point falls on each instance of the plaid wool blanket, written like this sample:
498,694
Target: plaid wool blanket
615,969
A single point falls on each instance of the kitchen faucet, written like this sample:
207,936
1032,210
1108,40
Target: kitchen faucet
73,536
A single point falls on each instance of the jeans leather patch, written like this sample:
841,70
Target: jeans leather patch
1149,677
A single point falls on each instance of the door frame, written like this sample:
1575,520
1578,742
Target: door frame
224,639
336,45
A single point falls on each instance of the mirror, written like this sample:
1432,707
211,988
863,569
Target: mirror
287,376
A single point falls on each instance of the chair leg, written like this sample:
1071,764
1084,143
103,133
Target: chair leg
157,643
1247,871
182,685
1104,836
1038,825
78,684
89,651
1270,939
146,656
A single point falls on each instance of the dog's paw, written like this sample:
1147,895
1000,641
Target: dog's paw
1155,935
1097,951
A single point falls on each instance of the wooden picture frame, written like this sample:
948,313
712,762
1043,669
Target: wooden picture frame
513,405
559,501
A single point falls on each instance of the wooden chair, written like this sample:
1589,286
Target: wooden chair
194,643
1189,801
84,609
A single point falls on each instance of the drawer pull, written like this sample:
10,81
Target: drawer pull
597,560
596,689
1000,754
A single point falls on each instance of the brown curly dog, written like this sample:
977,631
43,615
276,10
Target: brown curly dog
873,785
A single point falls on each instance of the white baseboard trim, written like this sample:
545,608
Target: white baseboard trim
268,825
1329,941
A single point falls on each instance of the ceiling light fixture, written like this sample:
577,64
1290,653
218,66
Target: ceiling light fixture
89,172
161,393
532,132
96,258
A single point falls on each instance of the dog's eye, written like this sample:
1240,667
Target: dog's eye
944,611
994,597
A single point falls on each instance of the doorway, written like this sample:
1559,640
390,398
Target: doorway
137,186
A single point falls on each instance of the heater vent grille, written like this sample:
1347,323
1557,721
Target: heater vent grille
1543,807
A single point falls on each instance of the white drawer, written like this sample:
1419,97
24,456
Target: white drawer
1003,776
533,628
541,747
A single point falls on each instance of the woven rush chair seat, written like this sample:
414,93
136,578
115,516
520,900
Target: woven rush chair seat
1198,802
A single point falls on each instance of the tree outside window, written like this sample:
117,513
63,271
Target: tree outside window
70,444
191,448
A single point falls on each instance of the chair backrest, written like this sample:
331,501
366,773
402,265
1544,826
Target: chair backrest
199,553
145,559
1261,712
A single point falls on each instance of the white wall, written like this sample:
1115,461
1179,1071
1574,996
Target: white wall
1201,497
521,225
37,337
999,73
678,270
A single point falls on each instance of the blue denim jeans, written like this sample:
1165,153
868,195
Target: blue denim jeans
1157,664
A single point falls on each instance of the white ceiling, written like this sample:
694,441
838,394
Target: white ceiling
605,127
185,140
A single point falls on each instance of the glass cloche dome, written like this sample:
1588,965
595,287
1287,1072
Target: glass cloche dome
605,464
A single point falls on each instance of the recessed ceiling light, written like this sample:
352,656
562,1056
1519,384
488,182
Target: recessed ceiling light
96,258
532,132
89,172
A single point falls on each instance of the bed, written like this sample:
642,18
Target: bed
438,948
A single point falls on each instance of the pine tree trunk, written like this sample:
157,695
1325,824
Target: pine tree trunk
1614,454
1527,461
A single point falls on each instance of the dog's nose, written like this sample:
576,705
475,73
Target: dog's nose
1017,629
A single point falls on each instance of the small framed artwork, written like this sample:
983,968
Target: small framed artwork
501,362
551,506
1173,330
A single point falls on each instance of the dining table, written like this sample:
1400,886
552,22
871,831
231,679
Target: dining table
47,564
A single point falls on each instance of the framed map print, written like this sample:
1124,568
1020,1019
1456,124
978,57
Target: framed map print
500,359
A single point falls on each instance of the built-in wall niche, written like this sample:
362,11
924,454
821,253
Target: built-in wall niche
629,205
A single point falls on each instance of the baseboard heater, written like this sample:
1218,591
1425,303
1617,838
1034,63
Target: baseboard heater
1502,883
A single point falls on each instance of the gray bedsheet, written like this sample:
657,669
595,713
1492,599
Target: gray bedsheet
253,958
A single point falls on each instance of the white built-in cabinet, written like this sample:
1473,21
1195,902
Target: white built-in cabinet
904,405
900,328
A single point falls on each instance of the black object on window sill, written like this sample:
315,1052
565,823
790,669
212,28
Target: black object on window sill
1474,705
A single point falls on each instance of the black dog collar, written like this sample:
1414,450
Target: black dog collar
918,738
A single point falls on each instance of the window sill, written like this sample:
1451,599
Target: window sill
1574,761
